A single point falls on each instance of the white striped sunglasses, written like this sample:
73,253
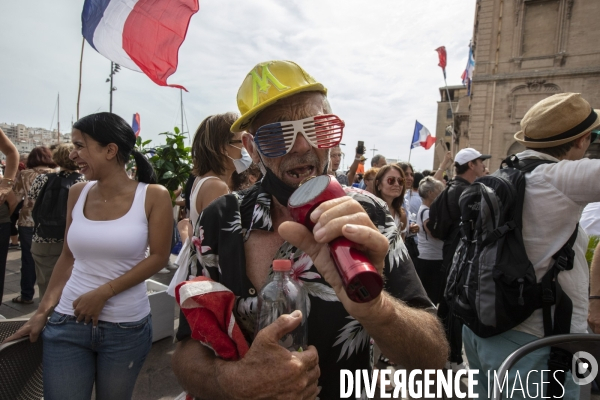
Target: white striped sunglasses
321,131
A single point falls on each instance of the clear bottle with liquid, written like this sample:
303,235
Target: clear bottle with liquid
282,295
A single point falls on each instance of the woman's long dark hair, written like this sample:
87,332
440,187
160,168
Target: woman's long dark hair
397,202
106,128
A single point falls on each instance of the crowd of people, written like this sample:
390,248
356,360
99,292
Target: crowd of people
91,235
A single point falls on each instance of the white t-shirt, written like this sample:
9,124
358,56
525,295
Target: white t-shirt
555,196
590,219
430,248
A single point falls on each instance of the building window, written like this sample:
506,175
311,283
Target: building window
449,113
540,24
541,32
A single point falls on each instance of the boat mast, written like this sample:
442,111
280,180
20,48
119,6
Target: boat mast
181,105
58,118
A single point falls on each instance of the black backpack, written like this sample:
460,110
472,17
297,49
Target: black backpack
491,285
440,222
50,209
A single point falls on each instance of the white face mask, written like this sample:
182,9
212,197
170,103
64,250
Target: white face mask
243,163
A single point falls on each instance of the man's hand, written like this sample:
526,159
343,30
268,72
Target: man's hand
447,162
334,218
269,371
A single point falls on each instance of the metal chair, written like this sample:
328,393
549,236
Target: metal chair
573,343
20,365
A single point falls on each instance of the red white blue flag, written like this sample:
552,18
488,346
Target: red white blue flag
136,124
141,35
422,137
467,75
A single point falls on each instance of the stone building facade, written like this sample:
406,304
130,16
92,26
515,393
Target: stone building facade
526,50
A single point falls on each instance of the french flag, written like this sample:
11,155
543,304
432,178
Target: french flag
136,124
142,35
422,137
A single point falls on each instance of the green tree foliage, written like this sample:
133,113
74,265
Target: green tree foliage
172,162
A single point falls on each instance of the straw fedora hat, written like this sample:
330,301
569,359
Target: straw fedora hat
557,120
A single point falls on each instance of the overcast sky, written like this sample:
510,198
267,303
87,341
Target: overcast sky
376,58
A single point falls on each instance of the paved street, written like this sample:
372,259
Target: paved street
155,382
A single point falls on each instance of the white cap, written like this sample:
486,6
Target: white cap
469,154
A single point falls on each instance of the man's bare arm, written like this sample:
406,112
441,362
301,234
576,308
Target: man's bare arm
267,371
444,165
413,338
197,370
353,168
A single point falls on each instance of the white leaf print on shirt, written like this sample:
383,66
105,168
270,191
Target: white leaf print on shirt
245,312
262,212
301,271
397,251
354,337
206,260
236,224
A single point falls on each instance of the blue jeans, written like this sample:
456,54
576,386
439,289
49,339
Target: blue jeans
487,354
4,241
110,355
27,263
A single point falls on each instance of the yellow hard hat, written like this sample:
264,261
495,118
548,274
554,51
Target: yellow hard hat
268,82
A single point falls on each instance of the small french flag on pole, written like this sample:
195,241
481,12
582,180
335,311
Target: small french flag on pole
422,137
141,35
136,124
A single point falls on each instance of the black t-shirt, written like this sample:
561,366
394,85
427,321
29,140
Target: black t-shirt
457,186
342,343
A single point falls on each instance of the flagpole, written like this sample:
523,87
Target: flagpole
452,112
80,69
442,56
411,142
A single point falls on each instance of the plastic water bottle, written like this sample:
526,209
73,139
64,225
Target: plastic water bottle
282,295
412,219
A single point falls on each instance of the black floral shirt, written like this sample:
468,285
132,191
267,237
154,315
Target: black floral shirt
342,343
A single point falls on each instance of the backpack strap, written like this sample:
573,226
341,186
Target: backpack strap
524,166
560,359
423,222
552,293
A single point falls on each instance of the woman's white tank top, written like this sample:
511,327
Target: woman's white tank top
105,250
194,214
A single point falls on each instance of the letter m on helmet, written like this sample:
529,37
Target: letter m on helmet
261,82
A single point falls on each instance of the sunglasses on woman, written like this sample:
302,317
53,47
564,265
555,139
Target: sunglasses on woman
390,180
321,131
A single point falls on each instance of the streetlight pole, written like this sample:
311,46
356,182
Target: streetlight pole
114,68
374,150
